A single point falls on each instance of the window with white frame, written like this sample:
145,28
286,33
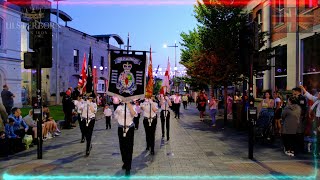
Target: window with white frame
101,86
76,59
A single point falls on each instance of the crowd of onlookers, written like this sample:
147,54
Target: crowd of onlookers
17,133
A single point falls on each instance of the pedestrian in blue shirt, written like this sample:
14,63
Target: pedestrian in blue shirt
20,126
14,141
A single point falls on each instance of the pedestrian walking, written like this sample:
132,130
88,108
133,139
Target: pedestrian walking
185,101
7,98
89,110
107,113
136,119
213,105
149,109
124,114
291,119
201,105
177,102
165,103
78,108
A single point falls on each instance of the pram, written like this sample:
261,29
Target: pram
264,129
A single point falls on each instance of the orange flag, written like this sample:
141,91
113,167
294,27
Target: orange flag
149,89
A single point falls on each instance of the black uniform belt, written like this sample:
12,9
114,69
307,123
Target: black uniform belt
121,126
150,118
89,118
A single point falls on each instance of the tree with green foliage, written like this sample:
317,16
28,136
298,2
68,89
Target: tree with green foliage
211,52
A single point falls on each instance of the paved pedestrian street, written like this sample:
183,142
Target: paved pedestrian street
195,151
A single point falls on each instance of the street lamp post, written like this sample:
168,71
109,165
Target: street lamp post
175,60
57,56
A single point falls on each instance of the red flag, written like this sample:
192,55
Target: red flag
95,79
83,76
149,88
165,87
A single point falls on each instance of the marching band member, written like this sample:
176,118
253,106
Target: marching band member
89,110
149,109
78,103
124,116
165,115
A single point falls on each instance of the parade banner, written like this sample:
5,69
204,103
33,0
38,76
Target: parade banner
127,78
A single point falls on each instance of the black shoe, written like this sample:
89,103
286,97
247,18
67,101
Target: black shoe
123,166
127,173
82,140
162,136
168,138
107,128
88,151
152,152
147,149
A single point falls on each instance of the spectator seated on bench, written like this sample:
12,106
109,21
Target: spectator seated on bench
50,123
14,141
4,150
20,127
33,126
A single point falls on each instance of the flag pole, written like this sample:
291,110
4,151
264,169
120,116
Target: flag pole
125,104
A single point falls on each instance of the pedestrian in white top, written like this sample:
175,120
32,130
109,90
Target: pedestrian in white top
213,104
176,104
136,119
78,104
124,116
150,109
107,113
89,110
115,102
165,103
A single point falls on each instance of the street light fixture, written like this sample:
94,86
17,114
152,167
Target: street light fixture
175,56
57,55
175,62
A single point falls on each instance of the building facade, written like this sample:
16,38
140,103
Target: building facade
293,27
10,49
73,46
67,62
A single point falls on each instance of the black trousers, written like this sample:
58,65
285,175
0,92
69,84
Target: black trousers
289,141
8,109
81,125
4,150
150,132
126,146
68,119
108,122
88,131
299,143
185,104
20,132
136,121
177,110
165,121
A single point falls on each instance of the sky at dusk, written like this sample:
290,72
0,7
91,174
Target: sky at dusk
148,22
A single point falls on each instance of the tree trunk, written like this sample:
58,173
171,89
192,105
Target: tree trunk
225,104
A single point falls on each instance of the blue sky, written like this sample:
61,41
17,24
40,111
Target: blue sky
148,24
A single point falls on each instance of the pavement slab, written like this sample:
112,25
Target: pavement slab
195,151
